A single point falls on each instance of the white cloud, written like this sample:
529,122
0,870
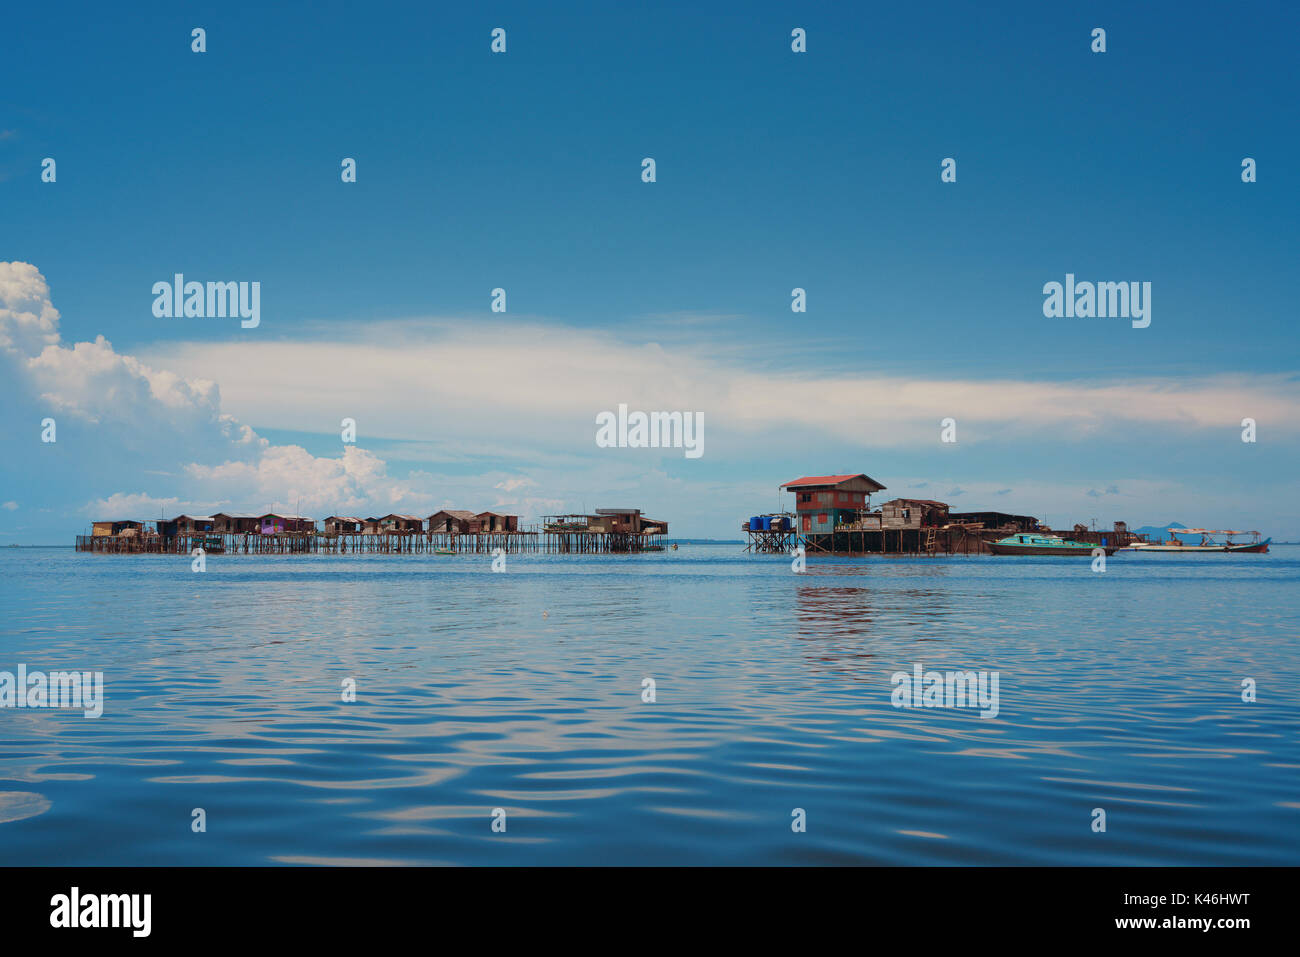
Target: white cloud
289,477
28,320
136,505
511,484
533,387
124,418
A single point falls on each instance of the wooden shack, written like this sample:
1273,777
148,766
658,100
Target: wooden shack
913,513
651,526
236,523
401,524
275,523
608,530
824,501
453,521
125,529
497,522
995,520
616,520
186,525
343,525
566,524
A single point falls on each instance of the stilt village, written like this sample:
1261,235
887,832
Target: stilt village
832,514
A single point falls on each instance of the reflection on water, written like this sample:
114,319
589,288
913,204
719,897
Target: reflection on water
837,605
523,691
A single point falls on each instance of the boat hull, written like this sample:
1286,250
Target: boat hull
1017,548
1257,548
1180,548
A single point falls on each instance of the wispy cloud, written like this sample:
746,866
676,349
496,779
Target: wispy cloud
542,384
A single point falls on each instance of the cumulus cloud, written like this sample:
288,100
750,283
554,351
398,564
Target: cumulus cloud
291,477
108,403
28,320
122,400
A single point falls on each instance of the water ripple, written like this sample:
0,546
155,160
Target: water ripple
772,693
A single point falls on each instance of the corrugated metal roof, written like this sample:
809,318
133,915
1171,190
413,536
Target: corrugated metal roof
829,480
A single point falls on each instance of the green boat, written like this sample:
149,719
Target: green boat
444,551
1030,543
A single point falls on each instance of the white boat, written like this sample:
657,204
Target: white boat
1207,544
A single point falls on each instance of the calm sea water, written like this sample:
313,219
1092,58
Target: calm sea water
523,691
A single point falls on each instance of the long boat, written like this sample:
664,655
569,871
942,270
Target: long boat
1027,543
1207,544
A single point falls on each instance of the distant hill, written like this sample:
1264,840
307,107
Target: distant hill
1149,529
1154,532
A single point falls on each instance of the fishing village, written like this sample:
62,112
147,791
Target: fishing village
448,531
832,515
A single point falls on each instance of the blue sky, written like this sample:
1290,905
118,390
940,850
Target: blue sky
774,170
